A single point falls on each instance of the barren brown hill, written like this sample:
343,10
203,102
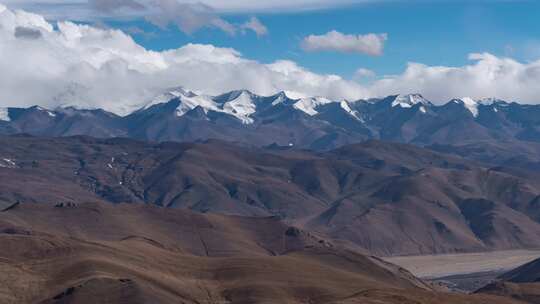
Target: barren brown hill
101,253
385,197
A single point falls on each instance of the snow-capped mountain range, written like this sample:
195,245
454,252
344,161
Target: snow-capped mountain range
180,114
240,104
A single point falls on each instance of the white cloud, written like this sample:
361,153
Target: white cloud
256,26
274,5
364,73
65,8
369,44
94,67
486,76
188,17
112,5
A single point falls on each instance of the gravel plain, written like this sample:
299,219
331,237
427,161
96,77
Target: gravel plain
438,266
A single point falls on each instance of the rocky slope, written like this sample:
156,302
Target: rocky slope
385,198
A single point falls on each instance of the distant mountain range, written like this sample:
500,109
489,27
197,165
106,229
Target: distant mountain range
314,123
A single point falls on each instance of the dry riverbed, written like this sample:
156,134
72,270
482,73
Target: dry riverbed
438,266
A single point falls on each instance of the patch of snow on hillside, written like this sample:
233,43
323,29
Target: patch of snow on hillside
471,105
345,106
241,107
189,103
50,113
4,114
7,163
309,105
168,96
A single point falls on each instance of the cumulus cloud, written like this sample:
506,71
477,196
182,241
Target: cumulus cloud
256,26
364,73
369,44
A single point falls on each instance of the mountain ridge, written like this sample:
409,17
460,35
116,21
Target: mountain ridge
387,198
314,122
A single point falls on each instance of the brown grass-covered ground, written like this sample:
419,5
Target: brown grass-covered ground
100,253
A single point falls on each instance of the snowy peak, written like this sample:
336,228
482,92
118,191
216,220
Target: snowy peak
284,97
347,108
244,105
190,102
70,111
233,95
168,96
472,104
309,105
469,103
187,100
279,98
492,101
184,115
4,114
409,100
41,109
240,104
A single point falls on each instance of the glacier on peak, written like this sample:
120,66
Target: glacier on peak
473,104
239,104
409,100
309,105
4,114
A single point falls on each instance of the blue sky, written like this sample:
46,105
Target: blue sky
429,32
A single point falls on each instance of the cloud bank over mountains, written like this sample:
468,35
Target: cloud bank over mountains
72,64
92,67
